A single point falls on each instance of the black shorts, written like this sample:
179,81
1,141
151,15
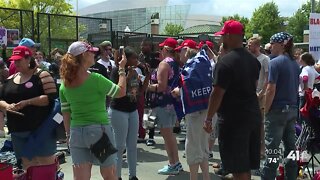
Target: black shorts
239,144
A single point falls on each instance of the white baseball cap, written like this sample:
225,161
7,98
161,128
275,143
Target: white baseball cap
80,47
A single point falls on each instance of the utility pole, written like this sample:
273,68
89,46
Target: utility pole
312,6
77,5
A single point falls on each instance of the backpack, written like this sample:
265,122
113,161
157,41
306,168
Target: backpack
196,83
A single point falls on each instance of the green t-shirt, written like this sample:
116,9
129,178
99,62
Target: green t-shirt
86,103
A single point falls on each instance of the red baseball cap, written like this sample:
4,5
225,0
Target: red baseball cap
169,42
20,52
231,27
188,43
209,43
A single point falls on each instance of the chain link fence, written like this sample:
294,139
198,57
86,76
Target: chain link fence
18,23
59,31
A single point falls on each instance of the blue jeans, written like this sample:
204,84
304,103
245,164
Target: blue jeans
280,125
125,126
302,102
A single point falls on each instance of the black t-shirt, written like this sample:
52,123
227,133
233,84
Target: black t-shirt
54,70
127,103
33,115
237,73
152,59
100,69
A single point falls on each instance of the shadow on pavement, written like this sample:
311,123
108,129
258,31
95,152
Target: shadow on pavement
147,156
185,176
161,146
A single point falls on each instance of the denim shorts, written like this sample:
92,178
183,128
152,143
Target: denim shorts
166,117
81,138
19,140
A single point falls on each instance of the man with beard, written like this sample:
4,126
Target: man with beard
147,58
234,98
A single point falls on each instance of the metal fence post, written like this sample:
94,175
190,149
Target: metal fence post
38,27
49,33
32,25
77,27
21,24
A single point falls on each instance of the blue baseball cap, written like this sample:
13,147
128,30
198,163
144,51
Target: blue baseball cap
28,43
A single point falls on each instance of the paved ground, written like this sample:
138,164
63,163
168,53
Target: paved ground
150,159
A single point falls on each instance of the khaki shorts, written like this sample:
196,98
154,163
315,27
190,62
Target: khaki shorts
197,145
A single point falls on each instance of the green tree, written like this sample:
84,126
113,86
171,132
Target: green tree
173,29
300,20
244,21
265,21
60,27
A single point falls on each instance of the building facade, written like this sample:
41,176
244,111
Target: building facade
137,14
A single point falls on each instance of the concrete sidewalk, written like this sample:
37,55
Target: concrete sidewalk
150,159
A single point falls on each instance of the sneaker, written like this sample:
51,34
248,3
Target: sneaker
184,154
133,178
177,130
228,177
220,172
178,166
210,155
141,140
182,140
168,170
2,134
150,142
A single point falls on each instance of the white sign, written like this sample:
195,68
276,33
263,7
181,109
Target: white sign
314,35
3,36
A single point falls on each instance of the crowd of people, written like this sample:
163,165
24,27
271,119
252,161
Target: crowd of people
246,95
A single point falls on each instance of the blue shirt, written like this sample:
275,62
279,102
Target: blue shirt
284,72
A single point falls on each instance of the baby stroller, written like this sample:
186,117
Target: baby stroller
308,142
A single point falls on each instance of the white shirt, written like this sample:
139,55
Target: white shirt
264,61
312,74
141,77
107,64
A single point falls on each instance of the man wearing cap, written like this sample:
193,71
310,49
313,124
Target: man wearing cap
163,80
195,74
105,56
234,99
281,107
210,45
29,43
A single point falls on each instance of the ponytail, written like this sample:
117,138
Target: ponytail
69,68
288,48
